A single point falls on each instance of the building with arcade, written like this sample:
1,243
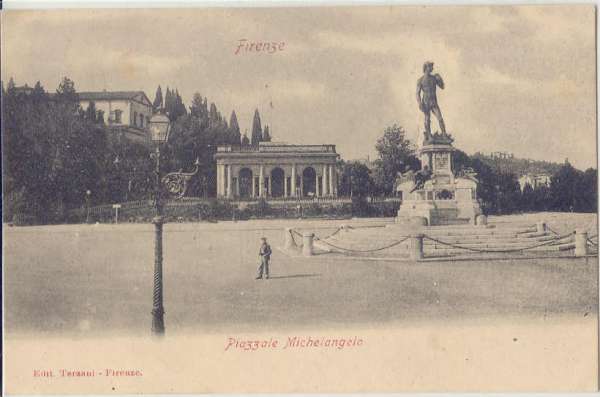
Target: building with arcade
276,170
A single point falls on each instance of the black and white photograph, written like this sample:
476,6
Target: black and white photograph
308,198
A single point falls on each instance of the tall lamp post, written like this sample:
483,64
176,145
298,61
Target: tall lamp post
88,195
159,131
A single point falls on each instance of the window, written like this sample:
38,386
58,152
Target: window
141,120
118,114
135,118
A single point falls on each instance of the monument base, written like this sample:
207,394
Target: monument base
442,198
439,212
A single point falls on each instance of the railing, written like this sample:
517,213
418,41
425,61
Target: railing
266,148
191,201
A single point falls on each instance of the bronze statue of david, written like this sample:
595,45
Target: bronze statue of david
427,99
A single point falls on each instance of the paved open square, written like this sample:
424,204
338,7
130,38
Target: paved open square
97,279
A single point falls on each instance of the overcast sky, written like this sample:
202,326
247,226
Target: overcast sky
518,79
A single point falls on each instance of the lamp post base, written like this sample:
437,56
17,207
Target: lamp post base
158,322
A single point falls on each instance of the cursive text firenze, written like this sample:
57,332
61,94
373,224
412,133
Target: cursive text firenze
265,47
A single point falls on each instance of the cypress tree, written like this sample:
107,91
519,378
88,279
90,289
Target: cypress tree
234,128
245,140
256,129
266,134
158,100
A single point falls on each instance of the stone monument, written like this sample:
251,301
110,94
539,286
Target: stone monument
437,194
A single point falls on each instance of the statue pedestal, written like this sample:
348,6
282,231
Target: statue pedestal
445,199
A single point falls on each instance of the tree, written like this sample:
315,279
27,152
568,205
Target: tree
234,128
157,105
54,151
198,108
213,114
395,154
355,180
66,91
169,104
90,112
174,105
589,191
266,134
541,198
564,188
245,140
179,108
256,136
528,198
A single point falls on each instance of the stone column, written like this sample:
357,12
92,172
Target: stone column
293,184
261,181
253,185
237,184
317,184
285,189
228,170
219,180
301,186
335,181
223,180
324,181
270,184
330,179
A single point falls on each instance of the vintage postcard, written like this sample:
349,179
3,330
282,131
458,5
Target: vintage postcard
313,199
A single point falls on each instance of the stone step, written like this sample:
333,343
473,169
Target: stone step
461,230
492,245
523,228
433,246
454,238
428,242
454,251
485,242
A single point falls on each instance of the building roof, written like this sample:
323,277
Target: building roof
24,89
266,149
113,95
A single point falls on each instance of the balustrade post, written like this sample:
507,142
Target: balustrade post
307,244
290,243
416,246
581,242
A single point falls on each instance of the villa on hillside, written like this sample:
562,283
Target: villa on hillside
125,112
276,170
534,180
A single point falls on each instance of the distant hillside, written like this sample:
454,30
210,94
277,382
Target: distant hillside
518,166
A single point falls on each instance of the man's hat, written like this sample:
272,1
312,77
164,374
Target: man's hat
263,238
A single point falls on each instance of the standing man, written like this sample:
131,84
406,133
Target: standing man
428,84
265,256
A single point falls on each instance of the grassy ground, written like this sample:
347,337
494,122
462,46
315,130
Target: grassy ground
86,279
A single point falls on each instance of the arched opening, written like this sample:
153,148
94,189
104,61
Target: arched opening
245,180
445,195
277,181
309,182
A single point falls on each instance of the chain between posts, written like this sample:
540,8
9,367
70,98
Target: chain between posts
316,238
371,250
502,250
